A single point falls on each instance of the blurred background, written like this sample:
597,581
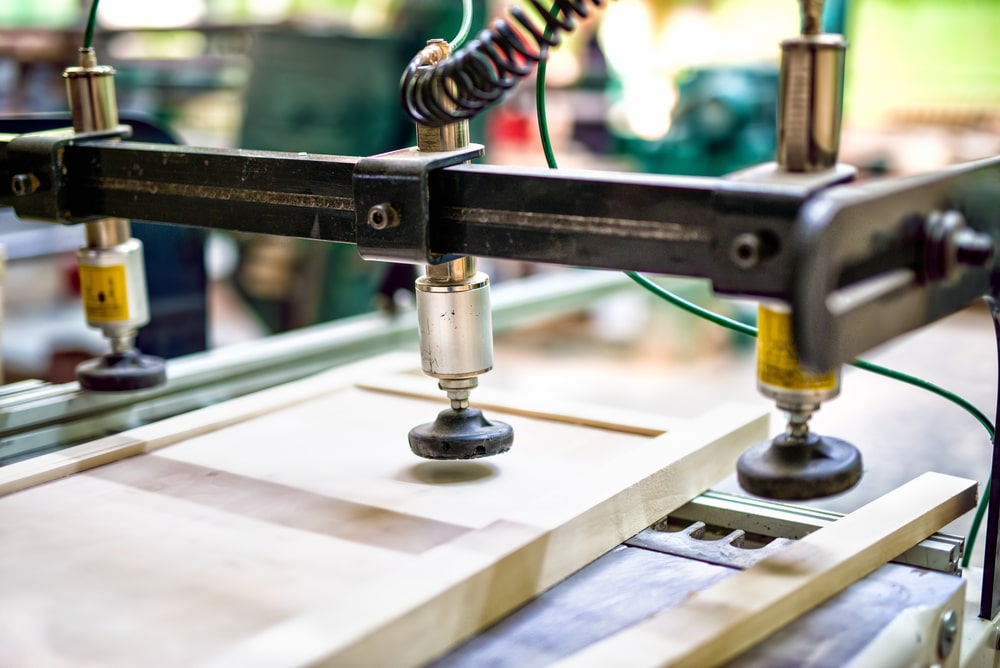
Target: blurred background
668,86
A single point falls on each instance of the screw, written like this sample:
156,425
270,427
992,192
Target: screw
23,184
382,216
947,631
745,251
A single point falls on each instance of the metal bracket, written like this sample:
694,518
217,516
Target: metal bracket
392,203
39,176
861,256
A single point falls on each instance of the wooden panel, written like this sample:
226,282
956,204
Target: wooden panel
311,533
151,437
720,622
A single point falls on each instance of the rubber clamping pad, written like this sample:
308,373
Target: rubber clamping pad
462,434
121,372
778,469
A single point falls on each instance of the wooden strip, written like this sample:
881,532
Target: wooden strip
412,616
546,408
148,438
717,624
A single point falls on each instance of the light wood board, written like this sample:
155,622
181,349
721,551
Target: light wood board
718,623
262,537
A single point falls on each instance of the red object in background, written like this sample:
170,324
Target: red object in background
71,275
510,128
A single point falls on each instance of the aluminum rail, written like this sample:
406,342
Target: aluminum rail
38,417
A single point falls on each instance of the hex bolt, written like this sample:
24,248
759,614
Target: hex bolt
23,184
382,216
951,244
973,249
947,631
745,250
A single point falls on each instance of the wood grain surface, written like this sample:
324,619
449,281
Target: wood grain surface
298,529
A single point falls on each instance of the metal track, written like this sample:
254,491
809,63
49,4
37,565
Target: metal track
36,418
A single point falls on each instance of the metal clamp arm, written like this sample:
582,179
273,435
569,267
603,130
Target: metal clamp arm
874,261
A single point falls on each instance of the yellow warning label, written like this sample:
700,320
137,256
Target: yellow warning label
777,360
105,297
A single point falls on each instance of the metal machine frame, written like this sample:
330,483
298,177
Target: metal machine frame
858,264
836,253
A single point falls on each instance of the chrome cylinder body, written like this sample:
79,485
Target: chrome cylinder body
91,92
810,102
455,324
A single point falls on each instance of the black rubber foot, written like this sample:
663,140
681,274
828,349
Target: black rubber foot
121,372
464,434
822,466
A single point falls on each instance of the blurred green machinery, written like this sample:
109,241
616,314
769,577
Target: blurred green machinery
723,122
724,117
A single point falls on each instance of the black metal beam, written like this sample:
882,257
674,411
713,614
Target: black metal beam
603,220
289,194
608,220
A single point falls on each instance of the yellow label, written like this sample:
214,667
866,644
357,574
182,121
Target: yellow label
105,297
777,360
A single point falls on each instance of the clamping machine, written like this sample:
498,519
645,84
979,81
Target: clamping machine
838,267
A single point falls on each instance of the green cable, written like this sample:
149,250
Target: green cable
540,113
694,309
543,118
463,31
736,326
88,36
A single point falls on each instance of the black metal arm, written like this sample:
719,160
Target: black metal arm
860,264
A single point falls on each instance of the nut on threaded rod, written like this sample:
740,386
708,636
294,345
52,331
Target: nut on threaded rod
458,391
797,429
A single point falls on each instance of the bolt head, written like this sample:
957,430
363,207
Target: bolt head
382,216
745,251
23,184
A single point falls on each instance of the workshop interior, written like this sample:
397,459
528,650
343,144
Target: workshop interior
648,207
